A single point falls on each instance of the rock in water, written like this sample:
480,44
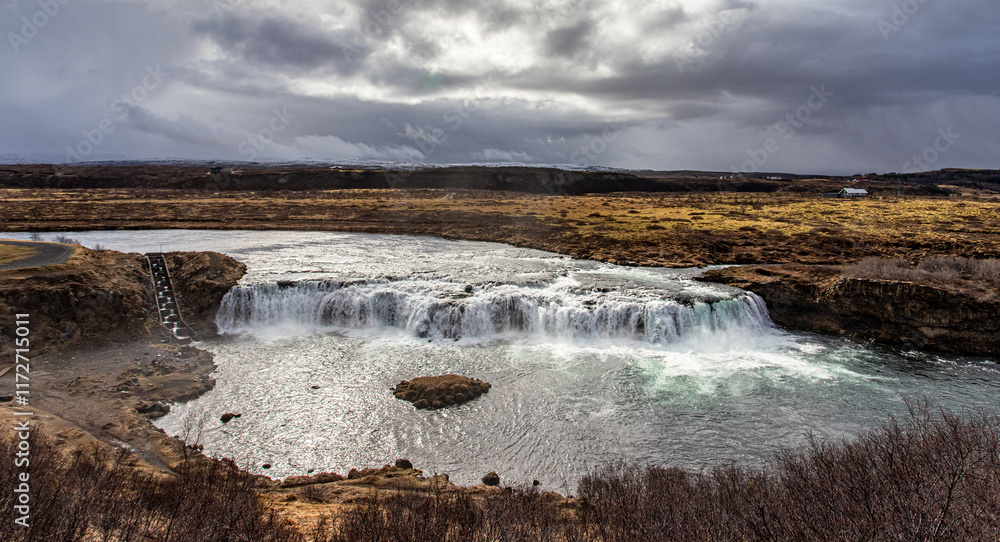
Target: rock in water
229,416
432,392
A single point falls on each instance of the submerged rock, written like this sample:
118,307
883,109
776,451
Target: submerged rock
433,392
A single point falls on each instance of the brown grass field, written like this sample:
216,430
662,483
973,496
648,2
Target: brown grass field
648,229
9,253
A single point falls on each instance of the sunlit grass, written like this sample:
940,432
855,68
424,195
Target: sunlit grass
656,223
10,253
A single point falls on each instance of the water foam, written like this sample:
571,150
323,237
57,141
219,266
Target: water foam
438,309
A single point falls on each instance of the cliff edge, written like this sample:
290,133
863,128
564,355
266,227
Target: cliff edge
961,318
99,297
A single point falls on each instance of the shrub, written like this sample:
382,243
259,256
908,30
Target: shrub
312,493
932,476
940,268
67,240
98,495
459,517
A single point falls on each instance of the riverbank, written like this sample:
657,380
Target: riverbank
98,382
101,363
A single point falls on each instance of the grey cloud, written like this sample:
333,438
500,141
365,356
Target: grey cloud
275,41
182,129
667,19
569,41
753,64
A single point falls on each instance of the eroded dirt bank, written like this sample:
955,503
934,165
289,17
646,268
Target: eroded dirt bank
101,364
102,297
962,318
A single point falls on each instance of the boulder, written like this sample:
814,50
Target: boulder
403,464
432,392
154,409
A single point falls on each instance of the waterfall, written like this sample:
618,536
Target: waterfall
441,310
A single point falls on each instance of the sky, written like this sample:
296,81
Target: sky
803,86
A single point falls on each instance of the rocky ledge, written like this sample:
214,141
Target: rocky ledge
101,296
433,392
958,318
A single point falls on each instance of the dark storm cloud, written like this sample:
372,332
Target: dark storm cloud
684,84
773,61
184,129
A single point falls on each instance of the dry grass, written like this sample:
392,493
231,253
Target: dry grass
100,496
10,253
939,269
654,229
931,476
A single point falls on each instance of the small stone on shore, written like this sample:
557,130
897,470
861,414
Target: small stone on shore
154,409
492,479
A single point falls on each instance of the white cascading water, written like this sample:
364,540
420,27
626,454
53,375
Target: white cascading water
442,310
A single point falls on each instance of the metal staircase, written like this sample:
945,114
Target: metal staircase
166,299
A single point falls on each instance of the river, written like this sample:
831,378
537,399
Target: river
589,362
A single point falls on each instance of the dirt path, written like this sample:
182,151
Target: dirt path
96,392
45,254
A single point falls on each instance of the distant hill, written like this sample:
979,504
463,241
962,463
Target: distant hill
539,180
